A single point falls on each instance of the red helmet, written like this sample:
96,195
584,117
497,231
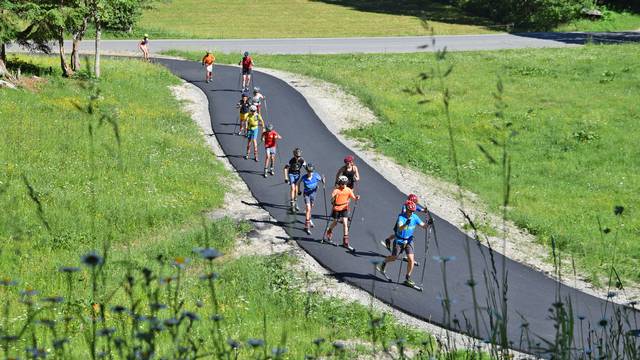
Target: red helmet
348,159
410,205
413,198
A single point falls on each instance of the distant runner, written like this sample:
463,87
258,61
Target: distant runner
243,105
340,200
292,176
257,99
310,183
207,62
350,171
270,137
254,123
144,47
404,228
247,67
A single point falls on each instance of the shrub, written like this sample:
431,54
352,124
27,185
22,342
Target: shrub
527,14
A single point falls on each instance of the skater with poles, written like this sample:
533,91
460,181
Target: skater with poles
207,62
310,183
413,198
270,137
254,123
247,67
292,176
350,171
340,199
404,229
257,99
243,106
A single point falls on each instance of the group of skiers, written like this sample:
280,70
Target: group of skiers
304,180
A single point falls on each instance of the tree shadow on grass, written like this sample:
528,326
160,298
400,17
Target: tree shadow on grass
429,10
583,38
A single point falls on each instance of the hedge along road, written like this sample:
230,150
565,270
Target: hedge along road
530,293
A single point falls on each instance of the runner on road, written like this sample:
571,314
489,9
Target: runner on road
350,170
207,62
254,123
144,47
404,228
270,137
243,105
247,67
340,200
310,183
257,98
292,176
413,198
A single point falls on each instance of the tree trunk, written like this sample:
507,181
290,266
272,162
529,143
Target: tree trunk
66,70
75,51
96,64
3,69
3,52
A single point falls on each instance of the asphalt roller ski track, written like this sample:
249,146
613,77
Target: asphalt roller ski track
530,293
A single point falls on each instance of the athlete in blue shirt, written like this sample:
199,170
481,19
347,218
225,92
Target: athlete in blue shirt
404,228
414,199
309,188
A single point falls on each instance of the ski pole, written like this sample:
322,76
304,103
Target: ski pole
426,252
326,209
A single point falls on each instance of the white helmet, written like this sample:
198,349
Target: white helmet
343,180
253,108
256,89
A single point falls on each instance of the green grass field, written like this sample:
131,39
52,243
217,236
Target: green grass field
145,198
613,21
225,19
215,19
574,157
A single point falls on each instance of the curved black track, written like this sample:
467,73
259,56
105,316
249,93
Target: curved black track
530,293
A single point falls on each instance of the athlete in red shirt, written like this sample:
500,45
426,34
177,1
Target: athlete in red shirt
270,137
247,67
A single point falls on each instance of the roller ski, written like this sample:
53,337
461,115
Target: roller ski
409,283
327,238
381,270
345,244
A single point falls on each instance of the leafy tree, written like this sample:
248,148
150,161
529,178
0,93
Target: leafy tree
8,33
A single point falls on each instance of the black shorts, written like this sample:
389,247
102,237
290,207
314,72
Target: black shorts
246,71
398,248
339,214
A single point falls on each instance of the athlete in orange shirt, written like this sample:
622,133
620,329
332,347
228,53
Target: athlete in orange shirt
208,61
340,200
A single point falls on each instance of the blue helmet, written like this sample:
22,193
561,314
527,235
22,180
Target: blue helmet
246,53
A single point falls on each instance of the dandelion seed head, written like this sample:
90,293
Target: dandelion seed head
235,345
255,342
180,262
210,276
92,259
53,299
8,282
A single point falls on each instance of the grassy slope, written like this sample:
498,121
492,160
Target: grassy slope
227,19
575,157
149,206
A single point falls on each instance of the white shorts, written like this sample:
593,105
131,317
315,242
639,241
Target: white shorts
210,68
270,150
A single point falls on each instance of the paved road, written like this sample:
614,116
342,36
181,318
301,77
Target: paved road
530,293
367,45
